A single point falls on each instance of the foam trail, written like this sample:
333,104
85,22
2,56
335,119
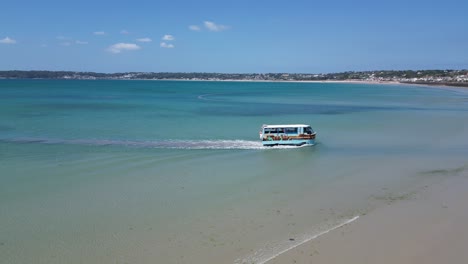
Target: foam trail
262,256
160,144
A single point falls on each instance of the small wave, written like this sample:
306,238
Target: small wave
205,97
272,251
161,144
202,96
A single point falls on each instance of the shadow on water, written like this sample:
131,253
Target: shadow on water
291,153
43,110
270,109
31,114
99,106
6,128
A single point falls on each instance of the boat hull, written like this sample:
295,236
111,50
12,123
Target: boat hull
293,142
289,141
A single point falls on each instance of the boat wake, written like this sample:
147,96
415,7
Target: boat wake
159,144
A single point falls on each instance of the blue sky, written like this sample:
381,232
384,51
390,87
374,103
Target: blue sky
233,36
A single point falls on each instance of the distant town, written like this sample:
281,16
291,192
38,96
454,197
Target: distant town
431,77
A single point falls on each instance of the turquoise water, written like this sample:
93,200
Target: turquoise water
174,172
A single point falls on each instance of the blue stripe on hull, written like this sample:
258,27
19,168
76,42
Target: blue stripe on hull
295,142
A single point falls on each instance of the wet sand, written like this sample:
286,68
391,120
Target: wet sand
427,228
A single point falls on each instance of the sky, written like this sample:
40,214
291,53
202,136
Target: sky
240,36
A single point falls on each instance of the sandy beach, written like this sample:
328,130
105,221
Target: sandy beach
429,227
428,85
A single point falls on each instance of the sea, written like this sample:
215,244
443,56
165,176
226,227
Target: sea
117,171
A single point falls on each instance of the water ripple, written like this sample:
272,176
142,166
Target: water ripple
160,144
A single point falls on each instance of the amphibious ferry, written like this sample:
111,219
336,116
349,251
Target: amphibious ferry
295,135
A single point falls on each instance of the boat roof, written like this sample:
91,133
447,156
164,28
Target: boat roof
279,126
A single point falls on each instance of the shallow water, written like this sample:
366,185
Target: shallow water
173,172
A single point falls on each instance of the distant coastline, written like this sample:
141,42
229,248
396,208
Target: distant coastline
458,78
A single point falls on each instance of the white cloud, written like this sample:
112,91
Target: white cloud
99,33
165,45
125,32
194,28
119,47
211,26
81,42
66,44
7,40
144,40
168,37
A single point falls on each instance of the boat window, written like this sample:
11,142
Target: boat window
308,130
270,130
291,130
